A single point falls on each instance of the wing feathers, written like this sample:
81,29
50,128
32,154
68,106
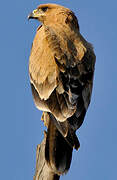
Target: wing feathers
61,77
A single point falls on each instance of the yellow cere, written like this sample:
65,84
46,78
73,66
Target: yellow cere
35,11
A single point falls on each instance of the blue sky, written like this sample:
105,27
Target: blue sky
20,126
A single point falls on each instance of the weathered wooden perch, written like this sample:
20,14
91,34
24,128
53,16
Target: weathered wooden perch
43,171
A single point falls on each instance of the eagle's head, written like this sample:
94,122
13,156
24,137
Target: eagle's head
54,13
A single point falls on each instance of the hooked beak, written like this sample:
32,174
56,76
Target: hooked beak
30,16
34,14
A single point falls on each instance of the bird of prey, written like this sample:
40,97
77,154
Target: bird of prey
61,69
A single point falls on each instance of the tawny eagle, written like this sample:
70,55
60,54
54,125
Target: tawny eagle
61,69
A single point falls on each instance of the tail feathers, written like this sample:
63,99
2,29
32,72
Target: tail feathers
58,153
66,131
72,139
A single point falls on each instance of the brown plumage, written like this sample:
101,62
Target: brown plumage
61,69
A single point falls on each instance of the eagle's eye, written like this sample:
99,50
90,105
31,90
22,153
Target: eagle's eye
44,9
